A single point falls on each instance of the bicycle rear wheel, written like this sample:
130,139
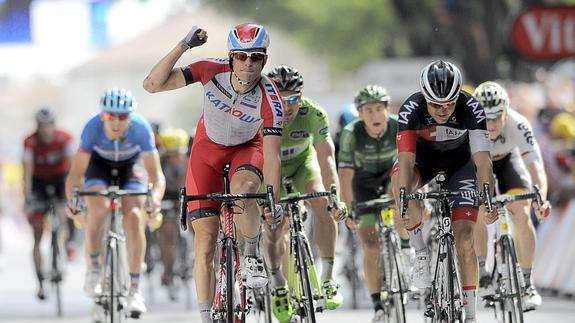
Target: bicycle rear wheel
307,301
56,275
511,303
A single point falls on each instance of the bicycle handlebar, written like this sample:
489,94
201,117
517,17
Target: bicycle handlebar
503,199
113,192
223,197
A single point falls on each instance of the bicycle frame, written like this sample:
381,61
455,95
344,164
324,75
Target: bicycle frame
302,268
224,309
115,275
446,268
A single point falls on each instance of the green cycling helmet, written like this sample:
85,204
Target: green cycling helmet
371,93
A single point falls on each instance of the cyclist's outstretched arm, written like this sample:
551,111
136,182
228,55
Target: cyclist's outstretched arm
346,179
484,169
152,164
326,159
272,163
163,76
538,176
28,161
80,163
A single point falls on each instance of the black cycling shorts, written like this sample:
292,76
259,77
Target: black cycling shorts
511,174
41,188
368,186
130,175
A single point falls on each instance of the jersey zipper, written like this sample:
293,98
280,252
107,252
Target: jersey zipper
116,150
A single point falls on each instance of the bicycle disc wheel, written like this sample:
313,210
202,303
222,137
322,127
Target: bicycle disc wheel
398,311
230,280
512,304
305,283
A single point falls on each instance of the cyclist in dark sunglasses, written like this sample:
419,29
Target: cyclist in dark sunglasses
241,125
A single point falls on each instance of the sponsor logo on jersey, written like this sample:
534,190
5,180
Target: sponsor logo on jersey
231,110
303,111
467,185
324,130
276,104
441,133
526,133
477,109
248,105
298,134
221,88
406,111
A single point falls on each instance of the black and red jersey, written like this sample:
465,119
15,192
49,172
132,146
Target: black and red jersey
51,160
463,134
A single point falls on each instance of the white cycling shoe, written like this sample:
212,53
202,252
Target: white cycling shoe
92,285
420,275
254,272
531,299
136,306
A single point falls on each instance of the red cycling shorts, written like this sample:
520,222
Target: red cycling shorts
206,165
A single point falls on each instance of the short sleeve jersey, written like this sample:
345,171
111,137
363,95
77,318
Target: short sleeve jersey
463,134
363,153
517,133
230,118
49,160
309,127
139,138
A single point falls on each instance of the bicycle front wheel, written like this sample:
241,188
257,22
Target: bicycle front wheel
511,305
397,288
307,311
230,280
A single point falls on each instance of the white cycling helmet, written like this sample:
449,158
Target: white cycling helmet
440,82
248,36
492,97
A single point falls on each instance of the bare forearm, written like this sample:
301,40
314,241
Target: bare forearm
346,178
27,179
329,173
158,186
160,73
272,173
538,177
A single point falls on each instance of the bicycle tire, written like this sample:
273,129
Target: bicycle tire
56,273
230,280
512,311
450,281
396,276
305,282
112,283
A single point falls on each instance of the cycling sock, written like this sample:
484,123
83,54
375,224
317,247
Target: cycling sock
278,278
416,238
527,277
469,301
205,312
482,267
251,247
376,301
95,260
134,281
326,268
405,244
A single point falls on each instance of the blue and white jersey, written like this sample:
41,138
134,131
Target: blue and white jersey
138,139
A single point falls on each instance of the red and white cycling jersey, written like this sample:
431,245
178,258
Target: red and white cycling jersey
231,119
50,160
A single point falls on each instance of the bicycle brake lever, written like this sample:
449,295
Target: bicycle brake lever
402,203
487,197
538,197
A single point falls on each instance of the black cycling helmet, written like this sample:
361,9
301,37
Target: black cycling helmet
45,115
287,78
440,82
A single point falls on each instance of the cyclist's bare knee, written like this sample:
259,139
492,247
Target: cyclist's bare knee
464,233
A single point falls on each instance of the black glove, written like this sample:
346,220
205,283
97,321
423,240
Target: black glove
192,39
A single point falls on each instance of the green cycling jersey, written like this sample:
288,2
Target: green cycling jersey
309,127
363,153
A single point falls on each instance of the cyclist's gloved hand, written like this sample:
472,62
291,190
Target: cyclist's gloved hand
489,217
274,220
542,211
195,37
339,211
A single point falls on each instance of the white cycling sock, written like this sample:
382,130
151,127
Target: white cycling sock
278,278
251,246
205,312
469,301
416,239
326,268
